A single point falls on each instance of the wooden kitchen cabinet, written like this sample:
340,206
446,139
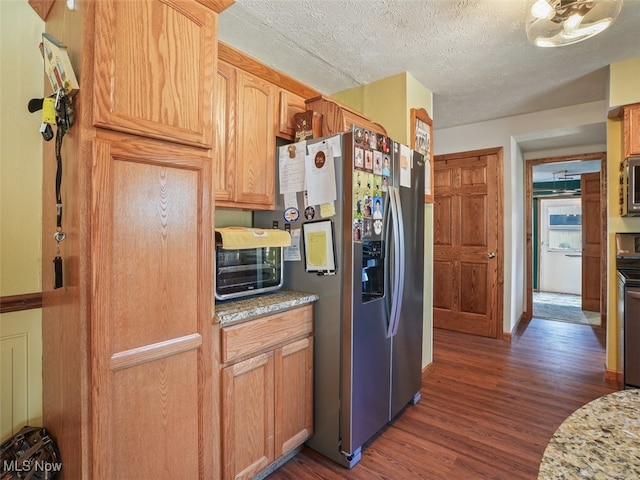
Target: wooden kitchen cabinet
255,104
338,117
224,148
267,383
631,129
247,417
245,131
145,84
127,340
288,105
293,395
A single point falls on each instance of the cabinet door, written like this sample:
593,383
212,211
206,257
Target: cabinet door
224,148
155,69
255,169
289,105
294,395
150,314
632,130
247,417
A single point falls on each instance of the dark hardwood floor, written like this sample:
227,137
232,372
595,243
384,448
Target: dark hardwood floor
488,408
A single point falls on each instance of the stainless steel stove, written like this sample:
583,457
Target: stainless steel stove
628,267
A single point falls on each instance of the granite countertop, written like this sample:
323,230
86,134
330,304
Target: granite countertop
242,309
601,440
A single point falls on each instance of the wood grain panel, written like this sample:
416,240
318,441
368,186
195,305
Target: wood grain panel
224,148
289,104
157,90
443,273
338,117
260,334
631,130
442,179
217,5
255,170
154,352
473,295
151,305
247,417
151,224
42,7
473,217
143,410
293,395
473,176
66,321
227,53
442,222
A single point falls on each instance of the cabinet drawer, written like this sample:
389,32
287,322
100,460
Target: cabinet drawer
260,334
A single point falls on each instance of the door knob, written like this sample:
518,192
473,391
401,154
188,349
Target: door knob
491,255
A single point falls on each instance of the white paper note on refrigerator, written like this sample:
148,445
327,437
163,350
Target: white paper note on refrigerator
405,166
291,167
320,174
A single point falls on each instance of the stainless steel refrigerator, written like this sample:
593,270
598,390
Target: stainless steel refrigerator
368,321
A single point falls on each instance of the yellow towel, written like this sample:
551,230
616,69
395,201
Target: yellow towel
233,238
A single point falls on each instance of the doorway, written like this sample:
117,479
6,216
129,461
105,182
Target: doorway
566,238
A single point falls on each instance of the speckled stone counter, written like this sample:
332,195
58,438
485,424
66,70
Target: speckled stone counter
601,440
243,309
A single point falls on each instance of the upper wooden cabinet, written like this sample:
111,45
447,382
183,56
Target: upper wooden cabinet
254,105
245,137
289,104
256,142
631,118
155,69
337,117
224,145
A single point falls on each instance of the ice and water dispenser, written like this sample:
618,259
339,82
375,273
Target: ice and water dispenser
372,270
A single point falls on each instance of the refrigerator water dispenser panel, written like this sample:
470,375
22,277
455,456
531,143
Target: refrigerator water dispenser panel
372,270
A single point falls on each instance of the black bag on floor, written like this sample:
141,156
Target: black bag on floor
31,454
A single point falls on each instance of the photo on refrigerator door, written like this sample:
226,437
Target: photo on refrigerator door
358,158
357,230
377,163
368,160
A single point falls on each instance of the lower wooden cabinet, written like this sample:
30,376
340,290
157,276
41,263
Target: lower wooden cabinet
267,397
247,416
293,395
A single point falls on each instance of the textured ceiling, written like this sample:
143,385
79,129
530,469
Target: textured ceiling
472,54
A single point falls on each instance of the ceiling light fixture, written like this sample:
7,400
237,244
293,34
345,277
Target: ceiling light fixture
554,23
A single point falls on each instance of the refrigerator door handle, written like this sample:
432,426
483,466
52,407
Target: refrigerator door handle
399,224
398,261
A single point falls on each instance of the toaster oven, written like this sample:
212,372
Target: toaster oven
247,271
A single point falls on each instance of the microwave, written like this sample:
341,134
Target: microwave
247,271
630,187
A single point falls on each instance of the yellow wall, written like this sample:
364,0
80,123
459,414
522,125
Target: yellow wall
624,82
388,102
21,78
624,89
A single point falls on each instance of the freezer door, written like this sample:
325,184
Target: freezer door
366,366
